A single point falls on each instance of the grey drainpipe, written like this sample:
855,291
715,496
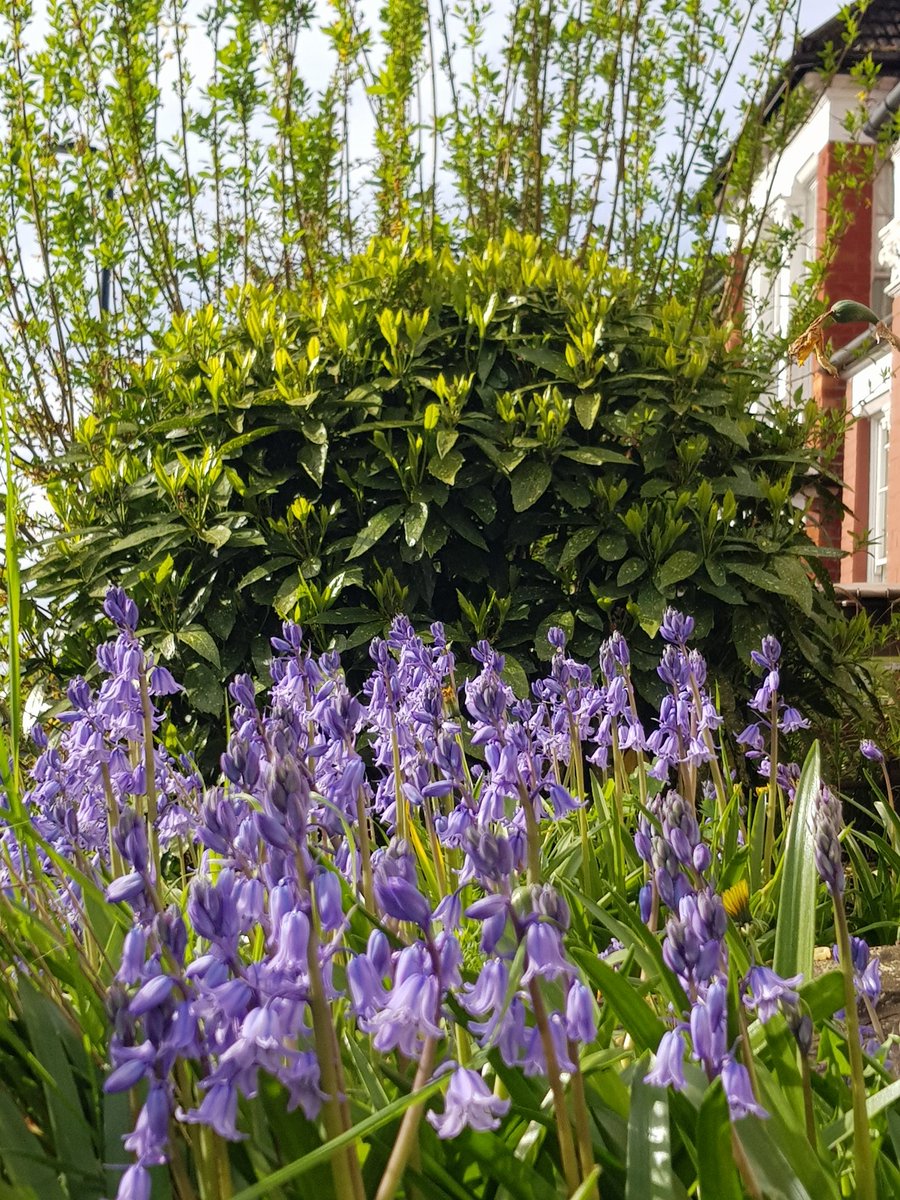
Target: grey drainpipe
861,347
883,112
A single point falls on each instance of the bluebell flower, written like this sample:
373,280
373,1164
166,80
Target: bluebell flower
136,1184
827,822
738,1092
766,992
581,1014
401,900
468,1103
676,627
668,1070
871,751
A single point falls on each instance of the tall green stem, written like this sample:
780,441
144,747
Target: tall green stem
409,1127
563,1124
862,1146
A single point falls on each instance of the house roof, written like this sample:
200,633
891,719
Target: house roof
878,35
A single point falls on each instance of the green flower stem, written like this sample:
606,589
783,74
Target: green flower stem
862,1146
744,1169
365,852
409,1128
582,1124
715,768
563,1123
150,775
808,1110
112,818
771,798
532,835
345,1164
889,797
402,818
587,874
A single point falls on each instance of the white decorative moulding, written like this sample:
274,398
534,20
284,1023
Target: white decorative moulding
889,253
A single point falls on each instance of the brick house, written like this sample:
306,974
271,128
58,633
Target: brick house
866,268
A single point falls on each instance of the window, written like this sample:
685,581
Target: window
879,433
882,214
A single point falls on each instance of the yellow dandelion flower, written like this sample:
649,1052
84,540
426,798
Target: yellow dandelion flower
736,901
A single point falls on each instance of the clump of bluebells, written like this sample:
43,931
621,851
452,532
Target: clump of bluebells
375,864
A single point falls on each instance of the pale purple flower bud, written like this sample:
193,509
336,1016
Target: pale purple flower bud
673,669
581,1015
556,636
402,901
126,887
668,1071
130,836
329,900
171,931
136,1184
544,948
738,1092
378,949
645,902
134,950
826,845
871,751
126,1076
768,654
676,627
151,995
701,857
367,994
121,609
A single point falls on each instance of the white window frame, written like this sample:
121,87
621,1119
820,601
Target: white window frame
879,452
870,400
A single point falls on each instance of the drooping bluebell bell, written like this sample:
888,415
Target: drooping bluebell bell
468,1104
765,992
871,751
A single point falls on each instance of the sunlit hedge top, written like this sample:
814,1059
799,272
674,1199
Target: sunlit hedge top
506,441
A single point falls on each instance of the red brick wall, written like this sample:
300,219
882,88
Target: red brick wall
849,278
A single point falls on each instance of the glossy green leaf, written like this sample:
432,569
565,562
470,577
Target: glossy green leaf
375,529
795,927
649,1174
446,467
587,405
414,521
580,540
680,565
629,1006
716,1171
529,482
201,643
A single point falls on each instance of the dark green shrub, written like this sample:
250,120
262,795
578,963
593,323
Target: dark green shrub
504,442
